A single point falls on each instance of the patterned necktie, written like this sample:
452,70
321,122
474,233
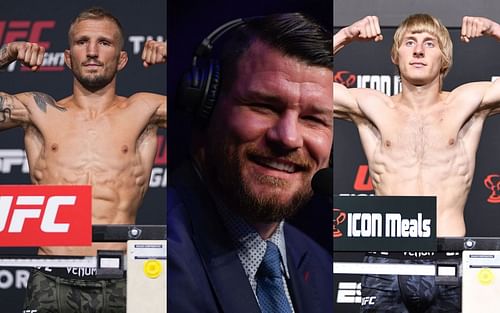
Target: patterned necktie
270,290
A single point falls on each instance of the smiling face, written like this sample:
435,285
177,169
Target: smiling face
94,55
270,132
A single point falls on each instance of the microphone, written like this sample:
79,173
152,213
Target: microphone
322,182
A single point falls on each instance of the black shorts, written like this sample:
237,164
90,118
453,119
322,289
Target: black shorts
408,294
77,291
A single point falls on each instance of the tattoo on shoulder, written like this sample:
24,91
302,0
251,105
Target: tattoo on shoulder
42,100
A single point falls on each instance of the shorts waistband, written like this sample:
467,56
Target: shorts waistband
417,255
79,273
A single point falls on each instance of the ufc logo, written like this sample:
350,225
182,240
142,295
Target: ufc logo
44,215
12,157
19,215
161,151
368,300
25,31
363,182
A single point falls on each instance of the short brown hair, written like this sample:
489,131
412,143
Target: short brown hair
419,23
97,13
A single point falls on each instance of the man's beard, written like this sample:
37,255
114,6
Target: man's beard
255,208
94,82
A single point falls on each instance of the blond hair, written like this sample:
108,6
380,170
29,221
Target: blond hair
420,23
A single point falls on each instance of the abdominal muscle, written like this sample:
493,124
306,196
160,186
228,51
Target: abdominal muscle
116,196
444,173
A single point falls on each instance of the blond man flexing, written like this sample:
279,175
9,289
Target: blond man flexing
422,141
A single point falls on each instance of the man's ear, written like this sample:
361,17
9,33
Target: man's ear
394,60
67,58
123,59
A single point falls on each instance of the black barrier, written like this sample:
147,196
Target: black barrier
384,223
48,22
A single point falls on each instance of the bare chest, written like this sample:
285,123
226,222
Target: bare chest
108,141
425,138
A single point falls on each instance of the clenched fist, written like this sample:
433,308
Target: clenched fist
154,52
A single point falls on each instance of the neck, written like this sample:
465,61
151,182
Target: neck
94,100
420,96
265,230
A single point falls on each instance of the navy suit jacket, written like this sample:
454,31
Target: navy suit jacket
204,271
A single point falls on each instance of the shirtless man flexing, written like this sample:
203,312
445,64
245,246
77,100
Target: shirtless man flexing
93,137
422,141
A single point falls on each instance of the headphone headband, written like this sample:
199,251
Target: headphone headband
205,47
199,87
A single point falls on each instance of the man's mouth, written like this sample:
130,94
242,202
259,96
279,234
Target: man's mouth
417,64
278,164
92,64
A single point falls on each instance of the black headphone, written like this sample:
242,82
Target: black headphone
198,90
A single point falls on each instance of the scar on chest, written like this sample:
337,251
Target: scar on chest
124,149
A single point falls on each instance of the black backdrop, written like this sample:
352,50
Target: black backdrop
189,22
140,19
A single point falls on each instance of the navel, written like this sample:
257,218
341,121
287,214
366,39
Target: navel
139,181
124,149
38,175
54,147
387,143
451,142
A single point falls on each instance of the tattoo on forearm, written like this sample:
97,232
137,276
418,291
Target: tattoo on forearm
6,113
4,57
43,99
4,109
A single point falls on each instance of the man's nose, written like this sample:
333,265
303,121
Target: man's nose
286,132
418,51
92,49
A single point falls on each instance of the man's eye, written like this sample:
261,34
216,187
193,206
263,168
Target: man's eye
262,106
315,120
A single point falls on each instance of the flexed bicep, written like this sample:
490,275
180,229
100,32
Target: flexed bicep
161,113
344,103
491,99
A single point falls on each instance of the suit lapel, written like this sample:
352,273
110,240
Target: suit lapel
224,270
303,288
231,284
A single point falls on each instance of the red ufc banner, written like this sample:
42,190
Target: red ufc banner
33,215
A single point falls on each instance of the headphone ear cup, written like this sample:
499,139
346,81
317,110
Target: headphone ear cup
212,81
189,92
